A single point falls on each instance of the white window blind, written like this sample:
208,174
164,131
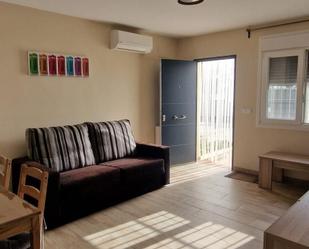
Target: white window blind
282,88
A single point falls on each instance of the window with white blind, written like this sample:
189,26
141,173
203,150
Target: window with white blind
284,99
282,88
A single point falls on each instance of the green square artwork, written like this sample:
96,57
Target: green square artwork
33,64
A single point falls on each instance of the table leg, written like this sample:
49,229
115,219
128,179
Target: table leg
265,173
36,233
277,174
268,241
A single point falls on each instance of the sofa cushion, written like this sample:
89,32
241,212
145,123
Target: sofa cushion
88,189
111,140
136,170
91,177
60,148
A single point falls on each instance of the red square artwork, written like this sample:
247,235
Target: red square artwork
52,65
61,65
85,67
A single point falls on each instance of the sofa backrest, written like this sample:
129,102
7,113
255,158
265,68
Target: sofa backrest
111,140
60,148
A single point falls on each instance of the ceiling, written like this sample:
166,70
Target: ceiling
169,18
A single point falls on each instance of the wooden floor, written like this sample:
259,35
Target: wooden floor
200,209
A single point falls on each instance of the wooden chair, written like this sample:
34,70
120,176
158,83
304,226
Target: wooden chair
38,194
5,172
22,241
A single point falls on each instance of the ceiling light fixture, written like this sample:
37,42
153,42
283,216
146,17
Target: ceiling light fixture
190,2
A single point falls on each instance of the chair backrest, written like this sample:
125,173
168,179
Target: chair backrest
5,172
39,194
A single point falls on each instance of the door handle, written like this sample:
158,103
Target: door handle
181,117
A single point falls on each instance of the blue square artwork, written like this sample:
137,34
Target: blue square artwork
70,66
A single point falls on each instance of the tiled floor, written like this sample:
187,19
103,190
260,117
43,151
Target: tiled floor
199,209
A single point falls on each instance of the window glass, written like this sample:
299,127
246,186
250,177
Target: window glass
282,88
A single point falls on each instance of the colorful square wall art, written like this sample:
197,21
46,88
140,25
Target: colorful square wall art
52,64
33,63
70,66
61,65
78,66
85,67
43,64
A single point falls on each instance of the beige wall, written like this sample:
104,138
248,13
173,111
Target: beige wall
250,141
121,85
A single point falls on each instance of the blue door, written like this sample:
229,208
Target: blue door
178,121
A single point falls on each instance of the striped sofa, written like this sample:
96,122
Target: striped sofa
92,166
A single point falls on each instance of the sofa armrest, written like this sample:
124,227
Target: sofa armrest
156,151
53,178
52,206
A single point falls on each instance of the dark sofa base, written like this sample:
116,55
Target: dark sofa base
68,216
77,193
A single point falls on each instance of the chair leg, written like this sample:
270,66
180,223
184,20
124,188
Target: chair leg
42,238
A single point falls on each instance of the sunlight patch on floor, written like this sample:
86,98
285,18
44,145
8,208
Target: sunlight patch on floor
130,234
207,235
134,232
197,171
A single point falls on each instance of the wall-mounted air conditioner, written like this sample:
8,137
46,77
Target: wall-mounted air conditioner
131,42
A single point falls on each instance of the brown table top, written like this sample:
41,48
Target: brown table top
13,208
294,225
286,157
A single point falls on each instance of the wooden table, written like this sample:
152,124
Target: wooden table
273,163
291,231
18,216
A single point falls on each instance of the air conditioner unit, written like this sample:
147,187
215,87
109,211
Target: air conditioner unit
131,42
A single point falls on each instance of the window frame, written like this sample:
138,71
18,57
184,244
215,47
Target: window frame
265,57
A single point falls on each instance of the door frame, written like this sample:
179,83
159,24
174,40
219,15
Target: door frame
233,56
